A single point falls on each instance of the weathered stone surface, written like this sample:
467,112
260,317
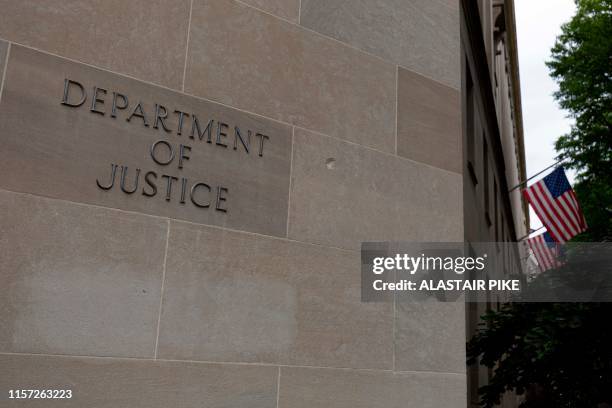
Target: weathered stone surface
316,387
139,38
76,279
287,9
421,35
343,194
63,152
106,383
4,46
429,122
239,297
280,70
439,331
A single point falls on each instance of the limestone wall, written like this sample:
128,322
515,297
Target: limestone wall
333,122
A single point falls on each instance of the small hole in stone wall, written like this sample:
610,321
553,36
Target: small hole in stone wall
330,163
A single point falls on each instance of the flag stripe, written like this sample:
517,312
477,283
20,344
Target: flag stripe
547,252
571,197
529,193
577,214
578,209
556,204
572,202
542,253
568,231
556,207
549,215
569,212
545,255
544,212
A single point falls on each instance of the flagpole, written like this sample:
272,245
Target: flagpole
535,175
530,232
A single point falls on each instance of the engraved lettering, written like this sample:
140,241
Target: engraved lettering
154,154
181,116
221,199
112,179
237,136
261,142
67,86
115,106
169,185
139,113
195,126
183,189
150,183
124,171
96,99
193,190
182,154
221,133
160,114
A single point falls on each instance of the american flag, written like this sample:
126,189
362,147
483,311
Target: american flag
555,203
546,251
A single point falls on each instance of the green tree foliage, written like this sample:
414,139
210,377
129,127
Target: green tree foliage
560,354
581,63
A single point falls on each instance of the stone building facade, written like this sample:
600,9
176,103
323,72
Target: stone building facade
186,185
494,160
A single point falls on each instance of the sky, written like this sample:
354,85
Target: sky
538,22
